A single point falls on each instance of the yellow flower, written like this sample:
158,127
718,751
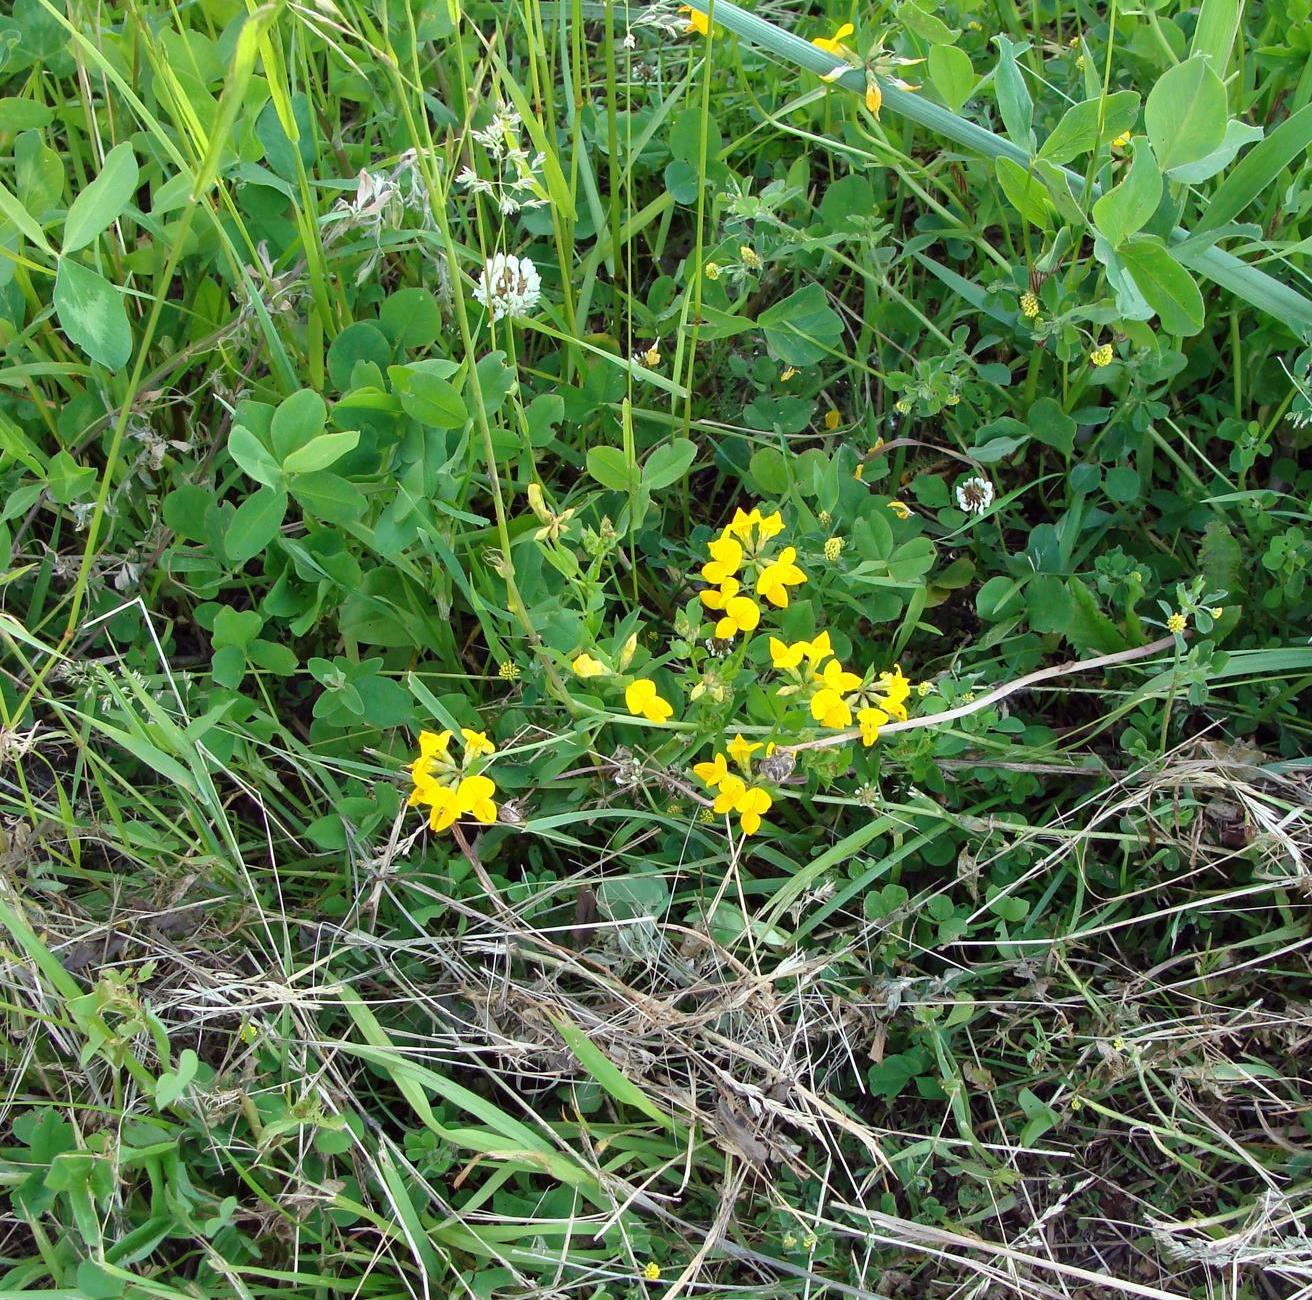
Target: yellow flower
749,802
833,549
697,21
742,523
627,651
732,788
1029,305
752,805
509,671
834,44
1122,141
1217,611
831,710
474,796
585,665
651,358
738,613
870,720
476,743
902,406
774,580
726,559
924,688
712,271
652,1271
896,691
900,509
832,418
787,373
643,701
1177,623
874,96
741,614
1102,356
829,705
712,773
741,751
791,656
751,258
433,758
860,472
444,807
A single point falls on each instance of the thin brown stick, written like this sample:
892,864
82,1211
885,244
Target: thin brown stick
1000,693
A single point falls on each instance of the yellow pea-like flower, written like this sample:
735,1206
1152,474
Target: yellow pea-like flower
713,773
474,796
476,743
741,751
644,701
585,666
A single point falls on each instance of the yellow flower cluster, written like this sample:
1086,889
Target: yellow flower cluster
812,670
743,553
883,702
450,789
734,793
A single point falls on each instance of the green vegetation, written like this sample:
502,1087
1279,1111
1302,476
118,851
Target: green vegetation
651,654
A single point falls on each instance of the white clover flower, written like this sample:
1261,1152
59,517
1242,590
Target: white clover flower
975,495
509,286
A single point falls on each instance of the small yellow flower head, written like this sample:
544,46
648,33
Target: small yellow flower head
738,613
509,671
860,472
473,796
871,719
952,399
1029,305
248,1033
585,666
1102,355
896,690
627,651
741,751
538,503
1217,611
476,743
874,96
1176,623
726,559
773,581
697,21
643,701
825,518
787,373
832,419
651,357
834,44
924,688
713,773
900,509
433,761
1122,141
751,258
652,1271
706,816
712,270
833,549
902,406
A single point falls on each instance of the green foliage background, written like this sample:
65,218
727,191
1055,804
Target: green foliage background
1033,981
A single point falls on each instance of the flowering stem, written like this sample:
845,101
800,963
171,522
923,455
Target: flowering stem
1000,693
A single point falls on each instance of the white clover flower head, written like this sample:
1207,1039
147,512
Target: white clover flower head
509,286
975,495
